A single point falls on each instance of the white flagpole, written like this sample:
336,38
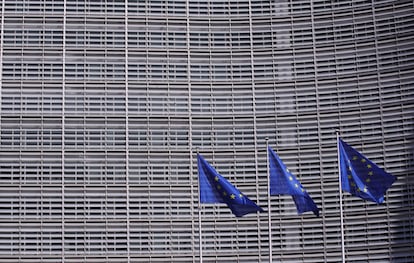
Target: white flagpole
200,232
269,214
200,239
340,199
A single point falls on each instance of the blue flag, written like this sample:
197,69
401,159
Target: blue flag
361,177
284,182
214,188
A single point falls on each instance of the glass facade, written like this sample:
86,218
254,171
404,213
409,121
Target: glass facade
104,105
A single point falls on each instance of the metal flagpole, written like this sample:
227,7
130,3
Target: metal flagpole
269,214
340,198
199,231
200,239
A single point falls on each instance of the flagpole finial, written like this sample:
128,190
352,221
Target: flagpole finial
337,132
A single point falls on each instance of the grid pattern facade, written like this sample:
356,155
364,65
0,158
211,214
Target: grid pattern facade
105,103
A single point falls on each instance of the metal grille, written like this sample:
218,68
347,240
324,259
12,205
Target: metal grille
105,103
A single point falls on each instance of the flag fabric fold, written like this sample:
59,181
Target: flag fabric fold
283,182
362,177
214,188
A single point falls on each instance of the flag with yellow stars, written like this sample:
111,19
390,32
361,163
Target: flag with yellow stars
282,181
361,177
214,188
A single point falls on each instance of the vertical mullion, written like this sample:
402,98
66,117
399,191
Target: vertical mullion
256,161
190,142
126,134
1,53
63,128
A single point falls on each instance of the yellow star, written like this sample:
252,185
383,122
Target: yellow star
370,173
355,158
349,168
240,195
368,180
365,189
353,184
219,187
349,176
232,196
363,160
291,178
216,179
303,190
224,194
369,166
296,185
358,190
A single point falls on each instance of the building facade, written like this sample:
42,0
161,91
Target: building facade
104,105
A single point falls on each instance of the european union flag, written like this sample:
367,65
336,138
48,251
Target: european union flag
361,177
284,182
214,188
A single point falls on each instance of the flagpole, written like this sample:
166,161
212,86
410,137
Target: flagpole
340,199
199,232
200,239
269,214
